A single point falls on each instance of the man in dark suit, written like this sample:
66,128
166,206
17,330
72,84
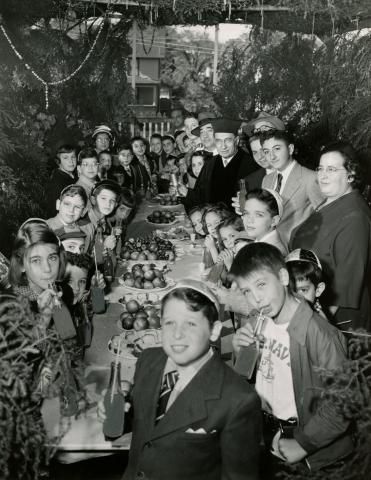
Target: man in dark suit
194,418
218,180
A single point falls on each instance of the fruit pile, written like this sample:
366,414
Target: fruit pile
148,248
144,276
137,317
169,200
161,216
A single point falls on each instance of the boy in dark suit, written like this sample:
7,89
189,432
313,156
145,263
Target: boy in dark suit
194,418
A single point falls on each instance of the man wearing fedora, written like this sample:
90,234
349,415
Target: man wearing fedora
206,132
218,180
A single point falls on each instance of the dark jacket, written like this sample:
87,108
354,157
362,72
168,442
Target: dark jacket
255,179
209,189
57,182
216,400
139,176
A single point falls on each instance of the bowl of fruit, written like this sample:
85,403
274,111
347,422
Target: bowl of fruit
148,277
137,317
166,200
161,217
148,249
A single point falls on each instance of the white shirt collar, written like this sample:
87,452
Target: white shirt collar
187,373
266,236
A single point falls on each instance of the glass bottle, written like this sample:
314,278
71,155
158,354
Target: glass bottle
108,268
99,245
114,403
97,298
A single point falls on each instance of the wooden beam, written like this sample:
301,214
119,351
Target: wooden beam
216,54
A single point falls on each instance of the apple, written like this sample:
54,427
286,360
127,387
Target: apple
140,324
156,213
127,320
129,282
132,306
152,256
154,322
128,275
149,275
142,256
141,314
159,283
138,266
170,255
147,285
157,272
150,311
138,282
125,254
134,255
153,247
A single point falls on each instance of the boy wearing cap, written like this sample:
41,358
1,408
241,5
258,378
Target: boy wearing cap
194,418
71,206
294,344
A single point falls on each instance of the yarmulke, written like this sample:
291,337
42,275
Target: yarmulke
278,199
275,122
303,255
200,287
102,129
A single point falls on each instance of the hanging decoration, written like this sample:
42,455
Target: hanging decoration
46,84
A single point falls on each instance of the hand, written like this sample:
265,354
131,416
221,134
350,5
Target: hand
101,409
209,242
291,450
226,256
110,242
98,280
46,302
236,204
182,190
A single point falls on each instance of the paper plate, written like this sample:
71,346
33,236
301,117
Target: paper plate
169,283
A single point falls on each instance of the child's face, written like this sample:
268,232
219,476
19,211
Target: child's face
228,236
105,160
74,245
102,141
88,168
305,288
212,220
70,208
182,165
41,265
139,148
106,201
156,145
277,153
190,124
187,145
67,161
125,157
123,212
265,291
197,164
196,219
257,219
258,153
186,335
77,280
168,146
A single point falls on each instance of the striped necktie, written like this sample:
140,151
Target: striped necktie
167,387
279,182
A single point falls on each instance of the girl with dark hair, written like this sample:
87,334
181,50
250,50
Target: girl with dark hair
339,232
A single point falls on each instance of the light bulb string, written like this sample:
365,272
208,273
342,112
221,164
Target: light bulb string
46,84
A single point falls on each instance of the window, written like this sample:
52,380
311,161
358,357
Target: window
146,95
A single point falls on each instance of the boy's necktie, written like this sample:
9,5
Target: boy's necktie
167,387
279,182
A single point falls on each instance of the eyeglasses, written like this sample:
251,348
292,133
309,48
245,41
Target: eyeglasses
86,164
329,170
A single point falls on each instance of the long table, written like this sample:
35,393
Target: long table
83,435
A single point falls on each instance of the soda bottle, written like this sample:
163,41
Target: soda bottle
99,244
108,269
114,403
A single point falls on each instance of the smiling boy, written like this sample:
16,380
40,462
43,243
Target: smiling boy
296,343
87,168
194,418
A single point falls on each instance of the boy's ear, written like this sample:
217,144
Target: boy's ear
215,330
57,205
284,277
79,170
320,289
291,149
93,200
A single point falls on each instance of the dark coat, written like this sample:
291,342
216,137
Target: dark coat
208,188
255,179
139,176
217,400
57,182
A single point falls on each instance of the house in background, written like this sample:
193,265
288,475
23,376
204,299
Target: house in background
152,100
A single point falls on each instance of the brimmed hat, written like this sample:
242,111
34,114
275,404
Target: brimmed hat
275,122
102,129
200,287
74,234
303,255
278,199
205,115
225,125
205,121
109,184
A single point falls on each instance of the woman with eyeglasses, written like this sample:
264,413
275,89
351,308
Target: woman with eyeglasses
339,231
